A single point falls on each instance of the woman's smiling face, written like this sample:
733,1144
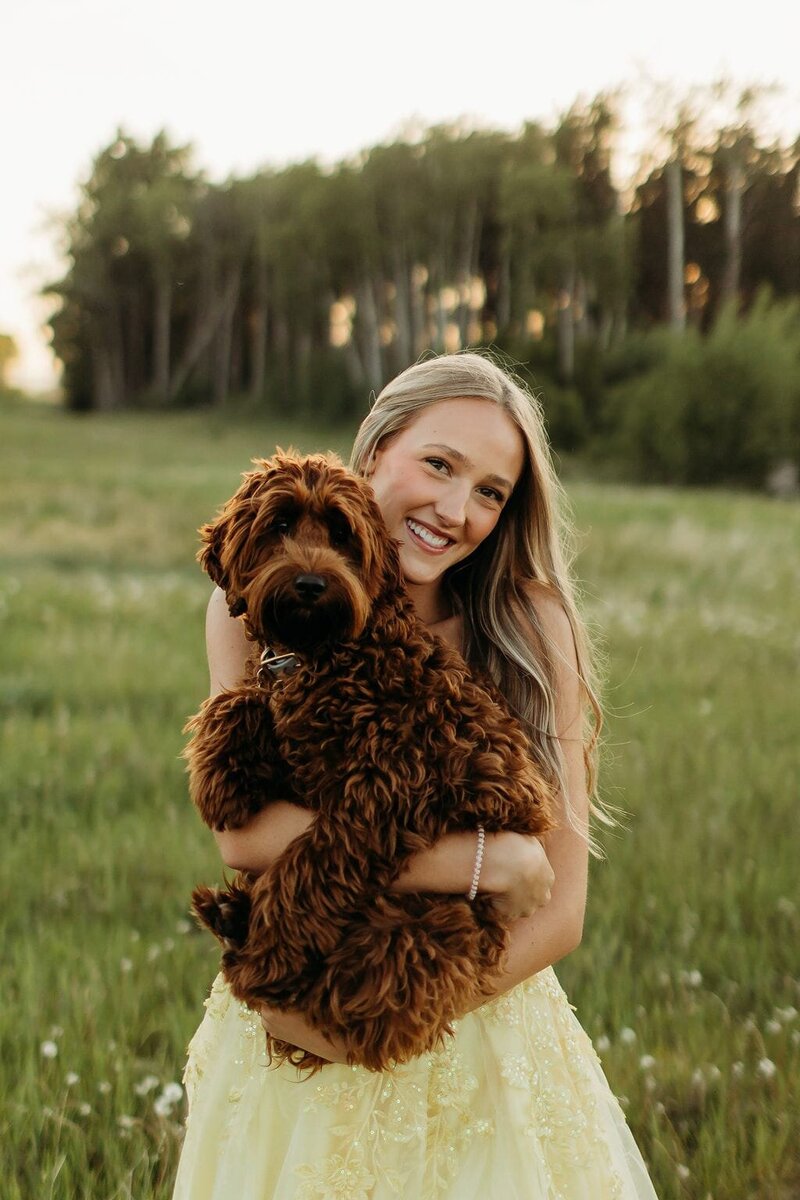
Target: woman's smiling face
443,481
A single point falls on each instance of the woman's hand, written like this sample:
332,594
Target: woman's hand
526,880
292,1027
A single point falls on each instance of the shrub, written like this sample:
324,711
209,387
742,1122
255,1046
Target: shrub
723,409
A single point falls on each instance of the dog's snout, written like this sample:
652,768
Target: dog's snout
310,587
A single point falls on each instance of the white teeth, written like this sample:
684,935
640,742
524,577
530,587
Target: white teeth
431,538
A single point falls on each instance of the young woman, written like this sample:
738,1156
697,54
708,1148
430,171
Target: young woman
515,1106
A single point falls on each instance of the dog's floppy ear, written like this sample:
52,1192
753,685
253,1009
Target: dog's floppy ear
209,554
233,514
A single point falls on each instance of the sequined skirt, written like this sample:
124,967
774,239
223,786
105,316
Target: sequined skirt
514,1107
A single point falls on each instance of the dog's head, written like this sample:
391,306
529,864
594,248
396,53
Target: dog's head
302,549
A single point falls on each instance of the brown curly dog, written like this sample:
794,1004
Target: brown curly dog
382,731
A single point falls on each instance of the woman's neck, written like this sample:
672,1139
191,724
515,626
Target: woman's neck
430,603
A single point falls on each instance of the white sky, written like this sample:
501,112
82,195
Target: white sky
251,82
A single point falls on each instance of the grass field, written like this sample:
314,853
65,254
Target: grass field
688,978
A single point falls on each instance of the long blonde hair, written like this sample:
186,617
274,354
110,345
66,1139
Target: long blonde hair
533,541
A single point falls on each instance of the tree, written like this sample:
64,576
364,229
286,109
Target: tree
8,355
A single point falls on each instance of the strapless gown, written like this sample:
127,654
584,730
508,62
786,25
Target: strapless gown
515,1106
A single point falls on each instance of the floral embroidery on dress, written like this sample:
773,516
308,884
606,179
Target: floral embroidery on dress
520,1064
338,1177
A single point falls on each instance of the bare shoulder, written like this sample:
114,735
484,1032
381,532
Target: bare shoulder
227,646
557,630
553,619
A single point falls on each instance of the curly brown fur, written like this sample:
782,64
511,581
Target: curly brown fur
384,733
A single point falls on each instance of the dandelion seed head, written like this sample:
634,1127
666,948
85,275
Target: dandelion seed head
646,1062
48,1050
627,1036
71,1078
146,1085
766,1068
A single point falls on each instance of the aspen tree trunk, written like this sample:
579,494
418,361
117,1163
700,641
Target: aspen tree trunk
369,333
402,310
258,336
734,187
162,317
675,241
503,301
565,328
222,350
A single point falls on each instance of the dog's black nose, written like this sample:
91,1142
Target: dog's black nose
310,587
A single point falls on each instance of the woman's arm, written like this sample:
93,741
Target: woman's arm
512,869
554,931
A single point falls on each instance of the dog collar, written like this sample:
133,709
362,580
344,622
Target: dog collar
276,664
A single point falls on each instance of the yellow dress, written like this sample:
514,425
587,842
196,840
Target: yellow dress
515,1106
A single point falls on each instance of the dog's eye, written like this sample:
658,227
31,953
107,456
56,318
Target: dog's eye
281,525
339,531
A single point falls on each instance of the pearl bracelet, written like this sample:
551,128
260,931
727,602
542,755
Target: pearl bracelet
473,891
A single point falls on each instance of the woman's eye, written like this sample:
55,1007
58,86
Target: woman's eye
436,462
493,495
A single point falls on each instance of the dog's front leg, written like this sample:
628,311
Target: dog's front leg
233,761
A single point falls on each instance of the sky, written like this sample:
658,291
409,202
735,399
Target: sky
250,83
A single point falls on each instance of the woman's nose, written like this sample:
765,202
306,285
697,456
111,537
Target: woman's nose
451,506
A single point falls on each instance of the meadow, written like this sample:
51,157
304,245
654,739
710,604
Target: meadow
688,976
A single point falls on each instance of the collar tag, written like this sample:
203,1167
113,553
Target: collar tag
276,664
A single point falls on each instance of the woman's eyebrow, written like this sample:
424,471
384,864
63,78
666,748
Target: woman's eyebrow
464,461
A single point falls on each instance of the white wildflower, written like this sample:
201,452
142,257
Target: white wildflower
627,1036
172,1092
601,1043
153,952
125,965
737,1070
182,926
683,1172
49,1050
766,1068
56,1031
786,1014
70,1079
126,1122
646,1062
84,1109
104,1087
162,1107
773,1027
146,1085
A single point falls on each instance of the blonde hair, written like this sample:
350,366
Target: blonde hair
533,541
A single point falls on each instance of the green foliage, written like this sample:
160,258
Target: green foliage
8,354
720,409
692,925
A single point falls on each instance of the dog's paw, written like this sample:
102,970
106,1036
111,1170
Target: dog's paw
225,913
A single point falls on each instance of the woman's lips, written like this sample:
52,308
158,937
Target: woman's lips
418,541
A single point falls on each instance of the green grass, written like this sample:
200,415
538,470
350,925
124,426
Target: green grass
693,925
